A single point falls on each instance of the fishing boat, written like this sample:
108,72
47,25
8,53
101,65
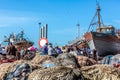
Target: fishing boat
18,40
106,39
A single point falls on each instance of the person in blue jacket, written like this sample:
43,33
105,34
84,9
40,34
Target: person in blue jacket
45,49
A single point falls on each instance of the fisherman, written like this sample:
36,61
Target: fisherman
1,53
17,53
45,49
11,50
68,48
23,52
74,51
0,48
84,49
4,52
50,50
95,55
64,49
58,50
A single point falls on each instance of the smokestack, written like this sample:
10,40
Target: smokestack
44,31
40,32
45,35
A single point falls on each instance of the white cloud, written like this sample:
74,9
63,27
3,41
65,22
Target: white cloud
116,21
15,17
3,25
12,19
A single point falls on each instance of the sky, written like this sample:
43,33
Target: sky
60,15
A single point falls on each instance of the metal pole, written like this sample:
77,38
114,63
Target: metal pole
43,31
98,13
39,29
46,30
78,25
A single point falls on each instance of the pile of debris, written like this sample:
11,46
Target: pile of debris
39,59
7,68
85,61
100,72
56,73
65,67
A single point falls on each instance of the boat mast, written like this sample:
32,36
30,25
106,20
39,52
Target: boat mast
99,21
98,14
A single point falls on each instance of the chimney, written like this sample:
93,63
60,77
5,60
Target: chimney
45,28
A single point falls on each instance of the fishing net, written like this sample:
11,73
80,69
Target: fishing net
57,73
5,68
101,72
85,61
67,59
39,59
64,67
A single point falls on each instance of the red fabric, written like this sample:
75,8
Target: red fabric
6,61
116,65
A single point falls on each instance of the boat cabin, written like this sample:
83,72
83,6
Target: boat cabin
106,29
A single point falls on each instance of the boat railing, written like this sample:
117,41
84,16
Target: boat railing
77,41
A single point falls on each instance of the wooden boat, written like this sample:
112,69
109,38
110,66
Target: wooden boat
18,40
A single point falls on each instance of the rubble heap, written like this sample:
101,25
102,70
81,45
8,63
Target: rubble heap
64,67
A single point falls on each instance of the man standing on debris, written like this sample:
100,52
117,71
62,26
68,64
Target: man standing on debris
0,48
45,49
11,50
84,49
50,50
95,55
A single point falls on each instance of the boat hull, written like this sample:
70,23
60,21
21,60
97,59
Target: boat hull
25,44
104,43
